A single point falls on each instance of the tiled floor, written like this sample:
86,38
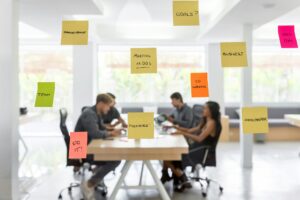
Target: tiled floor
275,175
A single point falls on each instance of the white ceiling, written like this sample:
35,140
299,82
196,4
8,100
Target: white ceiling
150,21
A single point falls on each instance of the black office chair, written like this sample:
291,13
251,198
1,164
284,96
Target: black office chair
197,114
69,162
207,157
77,164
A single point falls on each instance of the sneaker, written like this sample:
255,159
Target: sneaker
88,192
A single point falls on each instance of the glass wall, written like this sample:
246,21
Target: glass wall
276,75
46,63
174,67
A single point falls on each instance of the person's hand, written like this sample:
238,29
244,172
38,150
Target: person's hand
170,119
176,126
176,133
124,125
115,132
109,127
167,126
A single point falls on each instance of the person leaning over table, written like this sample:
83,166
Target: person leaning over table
205,134
91,121
112,114
182,115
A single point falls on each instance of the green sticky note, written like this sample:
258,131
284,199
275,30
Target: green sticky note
45,94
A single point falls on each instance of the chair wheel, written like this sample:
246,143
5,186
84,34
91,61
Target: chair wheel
221,189
204,194
104,193
208,182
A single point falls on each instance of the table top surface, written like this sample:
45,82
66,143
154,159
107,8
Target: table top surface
294,119
292,116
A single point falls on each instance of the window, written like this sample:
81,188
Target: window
232,85
174,67
276,75
46,63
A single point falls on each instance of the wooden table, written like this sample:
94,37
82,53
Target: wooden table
293,120
162,147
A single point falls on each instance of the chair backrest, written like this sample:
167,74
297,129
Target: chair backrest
164,110
197,112
63,127
126,110
64,130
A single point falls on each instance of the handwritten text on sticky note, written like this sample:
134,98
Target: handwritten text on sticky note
255,120
287,37
185,13
234,54
78,145
74,33
199,85
45,94
140,125
143,60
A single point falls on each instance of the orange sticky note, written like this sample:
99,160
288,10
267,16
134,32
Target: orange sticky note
78,145
199,85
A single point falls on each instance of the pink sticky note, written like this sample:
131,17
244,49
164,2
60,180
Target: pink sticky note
78,145
287,36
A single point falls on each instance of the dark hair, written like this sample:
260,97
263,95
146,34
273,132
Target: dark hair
214,109
104,98
176,95
111,95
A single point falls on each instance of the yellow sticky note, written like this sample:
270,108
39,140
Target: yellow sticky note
234,54
186,13
140,125
74,32
255,120
143,60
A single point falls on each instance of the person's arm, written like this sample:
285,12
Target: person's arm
186,121
204,134
189,130
90,124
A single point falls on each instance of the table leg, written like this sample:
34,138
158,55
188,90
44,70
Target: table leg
142,171
124,171
160,186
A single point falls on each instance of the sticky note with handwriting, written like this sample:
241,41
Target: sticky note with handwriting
143,60
186,13
45,94
255,120
287,36
78,145
234,54
140,125
199,85
74,32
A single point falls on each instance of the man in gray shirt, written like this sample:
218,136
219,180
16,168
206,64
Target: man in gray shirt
91,121
182,115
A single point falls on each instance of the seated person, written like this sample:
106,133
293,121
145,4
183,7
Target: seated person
112,114
90,120
208,132
182,115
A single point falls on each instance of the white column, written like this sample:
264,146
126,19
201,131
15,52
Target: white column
9,101
84,77
215,75
246,140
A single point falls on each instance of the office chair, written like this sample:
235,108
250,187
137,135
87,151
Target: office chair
197,114
77,164
207,158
